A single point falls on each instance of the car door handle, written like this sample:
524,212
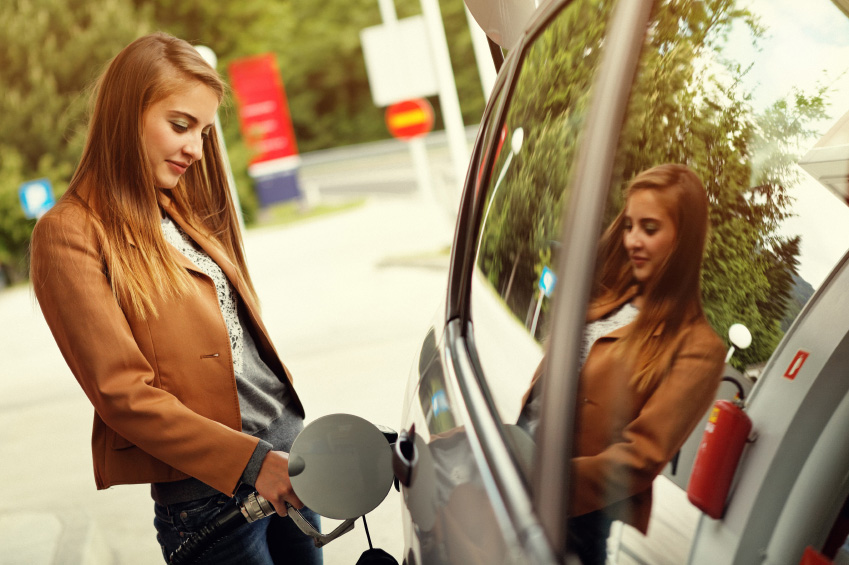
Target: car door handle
405,458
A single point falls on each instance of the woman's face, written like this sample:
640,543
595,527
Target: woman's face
649,234
174,131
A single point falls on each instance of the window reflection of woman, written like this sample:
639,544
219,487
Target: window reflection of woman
651,364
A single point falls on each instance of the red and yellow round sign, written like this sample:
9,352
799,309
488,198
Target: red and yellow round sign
410,118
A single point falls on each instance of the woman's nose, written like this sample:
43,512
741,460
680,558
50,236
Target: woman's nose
194,148
632,239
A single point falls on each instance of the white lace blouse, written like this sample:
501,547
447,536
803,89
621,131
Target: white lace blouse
626,314
227,298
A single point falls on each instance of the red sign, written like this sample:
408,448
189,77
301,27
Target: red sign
796,364
410,118
263,112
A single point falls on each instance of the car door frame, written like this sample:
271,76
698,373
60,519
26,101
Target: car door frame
537,512
582,223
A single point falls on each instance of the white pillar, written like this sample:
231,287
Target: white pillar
418,151
483,57
210,57
448,100
387,11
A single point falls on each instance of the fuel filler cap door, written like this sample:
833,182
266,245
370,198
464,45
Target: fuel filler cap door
341,466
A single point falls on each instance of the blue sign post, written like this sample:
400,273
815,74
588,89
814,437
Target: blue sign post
36,197
547,280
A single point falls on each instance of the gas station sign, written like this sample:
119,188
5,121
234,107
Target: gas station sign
266,126
263,111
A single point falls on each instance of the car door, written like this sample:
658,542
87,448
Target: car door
471,500
595,92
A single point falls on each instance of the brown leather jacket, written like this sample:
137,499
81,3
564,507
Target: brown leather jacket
625,437
163,389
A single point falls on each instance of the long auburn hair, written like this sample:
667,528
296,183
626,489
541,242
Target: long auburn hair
673,295
115,181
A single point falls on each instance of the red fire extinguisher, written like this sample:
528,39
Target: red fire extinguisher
725,436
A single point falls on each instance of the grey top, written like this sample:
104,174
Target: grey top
264,397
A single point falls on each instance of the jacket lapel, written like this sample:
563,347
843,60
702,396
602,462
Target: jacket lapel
211,247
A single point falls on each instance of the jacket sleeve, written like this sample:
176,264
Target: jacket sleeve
96,341
649,442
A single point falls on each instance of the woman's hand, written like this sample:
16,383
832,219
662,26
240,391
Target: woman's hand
273,482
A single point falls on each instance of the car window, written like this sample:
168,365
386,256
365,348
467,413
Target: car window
522,198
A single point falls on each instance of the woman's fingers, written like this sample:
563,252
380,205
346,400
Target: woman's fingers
273,482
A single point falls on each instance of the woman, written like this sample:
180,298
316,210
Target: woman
140,273
651,364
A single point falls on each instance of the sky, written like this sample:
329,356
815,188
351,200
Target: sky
806,43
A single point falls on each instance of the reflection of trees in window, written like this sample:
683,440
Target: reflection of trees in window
548,103
689,106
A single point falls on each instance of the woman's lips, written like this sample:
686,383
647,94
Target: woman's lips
178,168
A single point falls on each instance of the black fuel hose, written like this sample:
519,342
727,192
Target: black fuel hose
253,508
231,518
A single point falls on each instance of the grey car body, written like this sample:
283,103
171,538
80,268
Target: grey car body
564,128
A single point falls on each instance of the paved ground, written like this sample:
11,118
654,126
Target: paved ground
346,298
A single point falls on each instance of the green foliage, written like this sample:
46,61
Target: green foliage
292,212
231,29
549,103
324,71
684,110
15,230
54,49
51,50
687,106
801,293
322,66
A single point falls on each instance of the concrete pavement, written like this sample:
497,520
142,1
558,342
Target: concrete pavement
346,297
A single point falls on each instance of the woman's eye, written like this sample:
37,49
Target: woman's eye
180,127
651,229
627,226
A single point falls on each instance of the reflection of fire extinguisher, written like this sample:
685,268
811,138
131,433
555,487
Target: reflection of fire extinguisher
722,444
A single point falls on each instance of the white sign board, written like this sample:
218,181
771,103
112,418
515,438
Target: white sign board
398,61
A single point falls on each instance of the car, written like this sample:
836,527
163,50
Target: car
591,93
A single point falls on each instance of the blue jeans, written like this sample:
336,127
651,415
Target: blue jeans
272,540
587,536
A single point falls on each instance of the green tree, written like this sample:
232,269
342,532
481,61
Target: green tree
231,29
52,49
690,106
687,105
549,104
324,71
